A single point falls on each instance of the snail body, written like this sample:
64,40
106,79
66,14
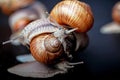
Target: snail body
35,28
73,13
53,40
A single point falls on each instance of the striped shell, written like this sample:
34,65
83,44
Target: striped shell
46,48
73,13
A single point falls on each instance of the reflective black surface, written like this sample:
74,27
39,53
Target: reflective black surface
102,56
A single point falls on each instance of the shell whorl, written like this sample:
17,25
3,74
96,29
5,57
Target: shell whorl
74,13
46,48
52,44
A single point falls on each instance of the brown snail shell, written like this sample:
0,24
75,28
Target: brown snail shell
46,48
9,6
73,13
116,12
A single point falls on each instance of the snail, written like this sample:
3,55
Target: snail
22,17
116,13
53,43
43,31
114,26
9,6
76,14
43,26
42,34
19,19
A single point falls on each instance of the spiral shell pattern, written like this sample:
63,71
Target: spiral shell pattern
73,13
46,48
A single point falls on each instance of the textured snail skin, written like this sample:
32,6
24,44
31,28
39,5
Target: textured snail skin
116,13
46,48
73,13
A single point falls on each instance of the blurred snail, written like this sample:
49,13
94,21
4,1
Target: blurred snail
9,6
22,17
19,19
73,13
116,13
114,26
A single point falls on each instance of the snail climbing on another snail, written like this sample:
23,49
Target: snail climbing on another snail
50,44
55,39
42,32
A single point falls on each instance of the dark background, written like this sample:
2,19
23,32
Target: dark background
101,57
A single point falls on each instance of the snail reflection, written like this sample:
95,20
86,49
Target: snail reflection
53,40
